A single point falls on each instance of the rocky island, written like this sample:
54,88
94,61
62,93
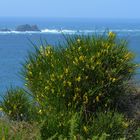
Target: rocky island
27,27
5,30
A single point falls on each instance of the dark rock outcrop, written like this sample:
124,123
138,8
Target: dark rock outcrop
5,30
27,27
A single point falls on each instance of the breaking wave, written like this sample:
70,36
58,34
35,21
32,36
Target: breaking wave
67,31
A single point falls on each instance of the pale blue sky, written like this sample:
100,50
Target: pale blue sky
70,8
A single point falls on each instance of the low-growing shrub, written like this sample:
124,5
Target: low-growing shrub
137,134
106,126
62,124
86,71
111,123
16,105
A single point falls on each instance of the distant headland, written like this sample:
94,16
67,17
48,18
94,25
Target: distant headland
23,28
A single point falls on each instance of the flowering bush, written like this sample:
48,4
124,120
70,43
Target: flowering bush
86,71
16,105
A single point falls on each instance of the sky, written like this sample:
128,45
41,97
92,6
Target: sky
70,8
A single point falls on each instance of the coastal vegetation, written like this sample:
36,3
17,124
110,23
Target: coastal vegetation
77,90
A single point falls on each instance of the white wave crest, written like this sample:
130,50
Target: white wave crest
68,31
56,31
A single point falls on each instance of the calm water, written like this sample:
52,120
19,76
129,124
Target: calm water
14,46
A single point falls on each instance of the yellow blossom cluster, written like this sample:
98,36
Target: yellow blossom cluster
111,34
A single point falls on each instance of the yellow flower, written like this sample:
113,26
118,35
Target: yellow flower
76,59
98,54
69,104
52,77
30,73
78,40
78,79
48,47
81,58
29,66
92,67
26,79
92,58
3,137
46,87
64,82
79,49
113,79
66,70
85,98
107,46
97,98
61,76
130,70
75,96
52,90
14,106
52,65
111,34
40,111
77,89
9,112
85,129
69,83
125,124
128,56
98,62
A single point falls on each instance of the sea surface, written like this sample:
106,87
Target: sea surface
14,46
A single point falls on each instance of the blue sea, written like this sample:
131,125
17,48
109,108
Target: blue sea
14,46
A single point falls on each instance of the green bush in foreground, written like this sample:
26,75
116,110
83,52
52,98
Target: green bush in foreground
86,71
110,126
16,104
72,87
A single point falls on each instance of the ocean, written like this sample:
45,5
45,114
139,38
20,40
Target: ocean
14,46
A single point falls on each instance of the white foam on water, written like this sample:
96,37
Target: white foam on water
68,31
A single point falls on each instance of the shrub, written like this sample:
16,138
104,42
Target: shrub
137,134
86,71
110,123
68,125
62,124
16,105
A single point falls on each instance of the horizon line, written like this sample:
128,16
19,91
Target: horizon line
122,18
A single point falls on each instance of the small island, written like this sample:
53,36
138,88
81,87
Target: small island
5,30
27,27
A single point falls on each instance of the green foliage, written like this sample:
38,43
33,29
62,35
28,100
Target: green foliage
68,85
62,124
71,126
137,134
111,123
86,71
16,104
